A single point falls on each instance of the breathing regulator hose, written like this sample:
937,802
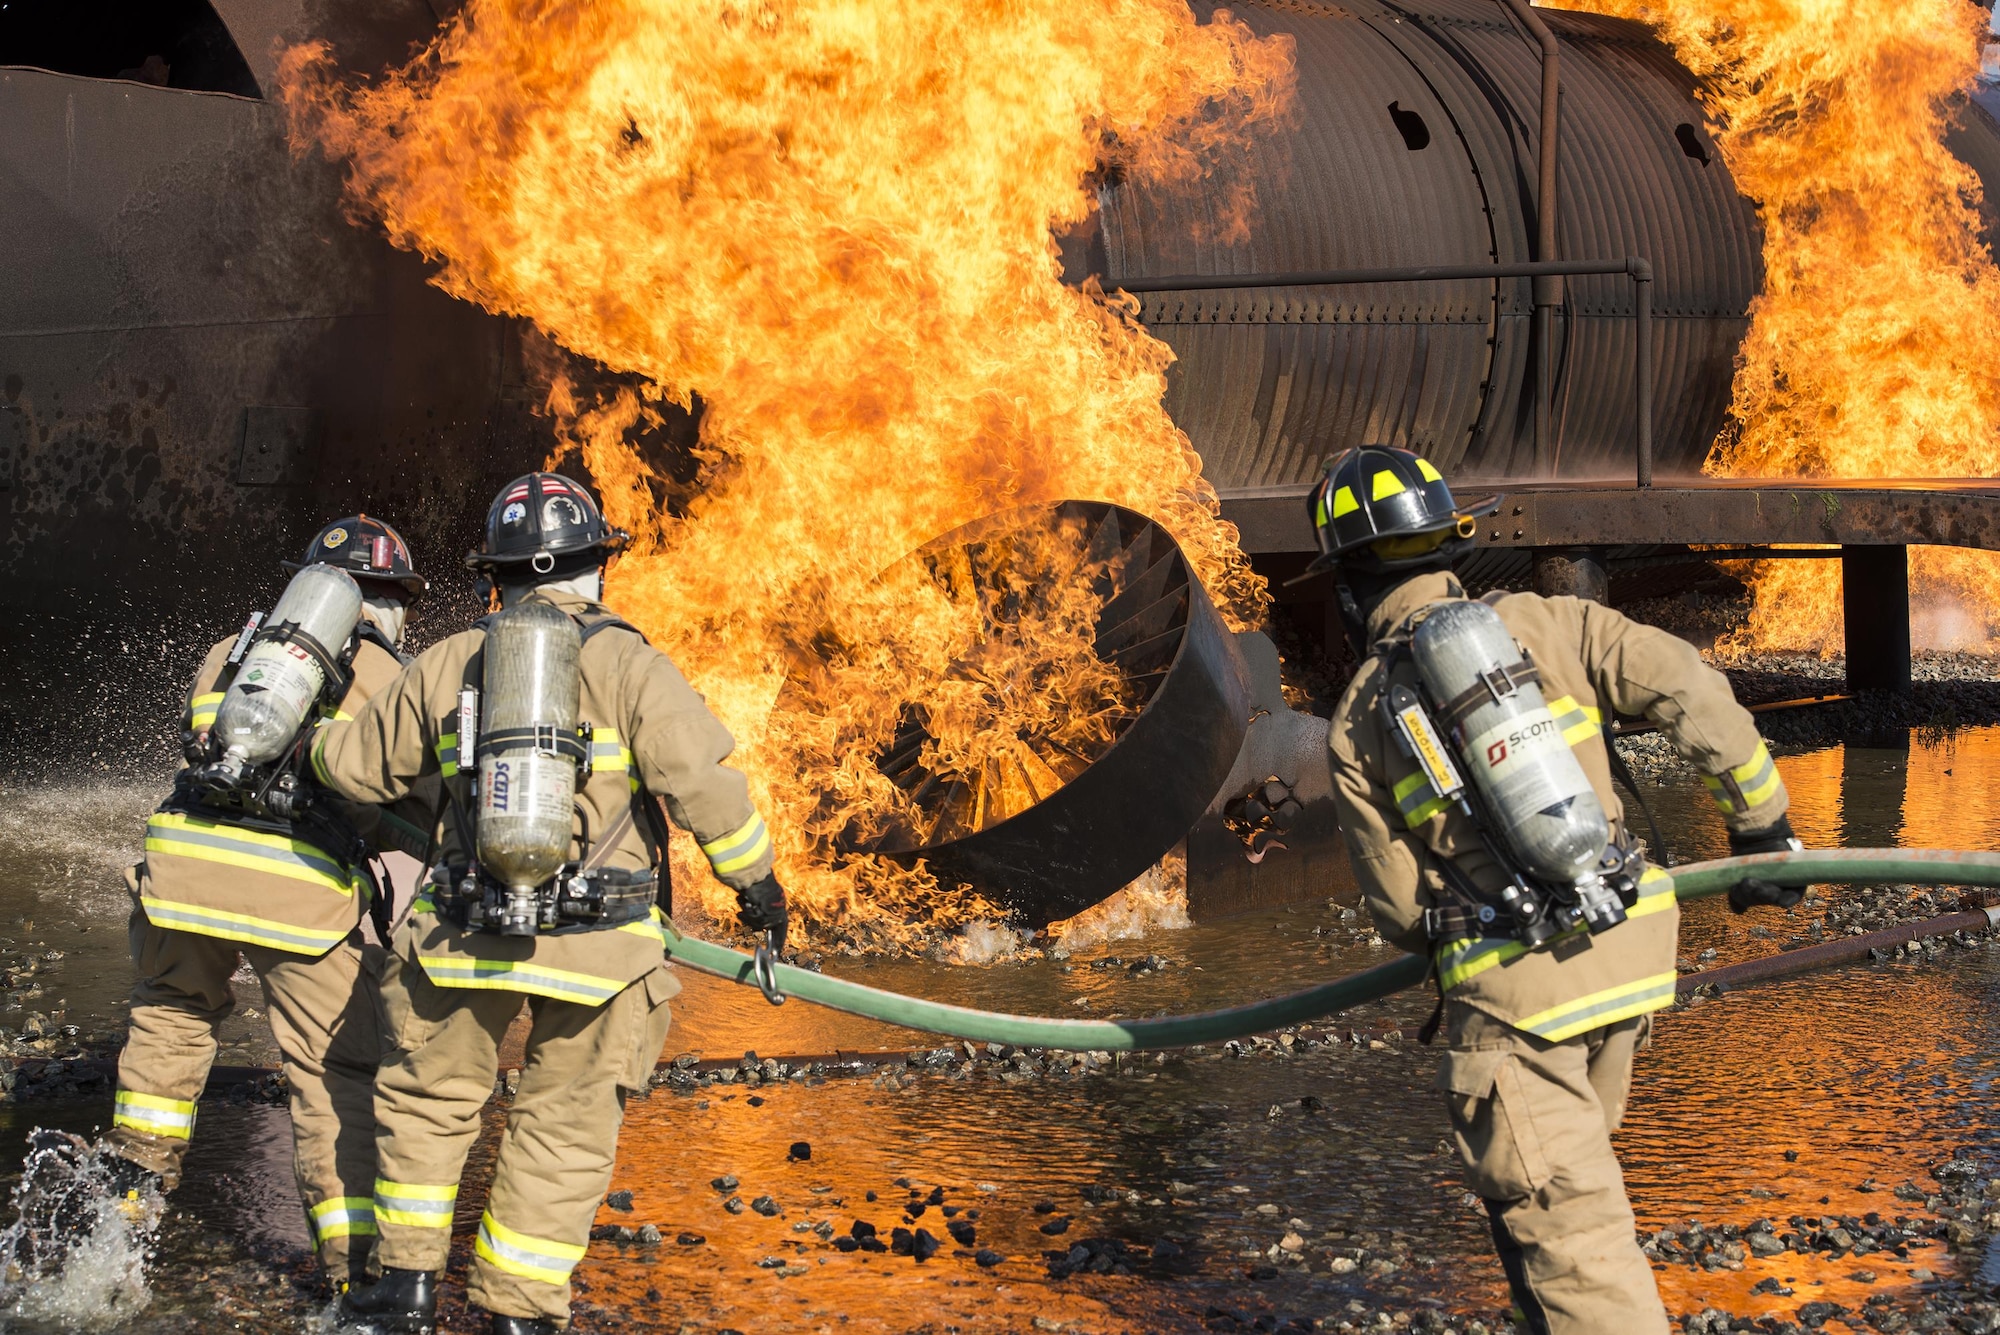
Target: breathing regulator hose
1699,880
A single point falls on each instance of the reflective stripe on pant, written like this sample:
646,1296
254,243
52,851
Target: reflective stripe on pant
1533,1120
325,1016
555,1157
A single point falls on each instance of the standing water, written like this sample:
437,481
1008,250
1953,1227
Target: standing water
1299,1182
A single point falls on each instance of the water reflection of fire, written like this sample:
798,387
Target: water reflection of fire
831,220
1871,352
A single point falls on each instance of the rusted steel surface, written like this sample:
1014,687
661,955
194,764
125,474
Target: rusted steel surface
1920,512
1269,382
1788,962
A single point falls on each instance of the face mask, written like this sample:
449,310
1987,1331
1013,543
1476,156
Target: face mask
388,615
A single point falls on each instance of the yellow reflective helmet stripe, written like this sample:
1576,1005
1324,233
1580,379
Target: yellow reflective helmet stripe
342,1217
1319,512
205,921
1608,1006
153,1114
255,850
523,1255
415,1204
1344,502
1384,485
1426,471
739,848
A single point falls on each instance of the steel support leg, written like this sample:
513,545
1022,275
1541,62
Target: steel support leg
1876,612
1580,572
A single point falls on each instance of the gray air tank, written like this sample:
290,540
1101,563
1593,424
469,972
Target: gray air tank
1529,781
1415,143
527,787
281,678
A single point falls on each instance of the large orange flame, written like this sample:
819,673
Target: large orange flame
1871,352
831,221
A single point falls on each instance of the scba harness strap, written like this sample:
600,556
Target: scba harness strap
590,895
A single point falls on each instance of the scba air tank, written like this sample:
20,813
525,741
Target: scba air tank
288,665
1532,786
527,755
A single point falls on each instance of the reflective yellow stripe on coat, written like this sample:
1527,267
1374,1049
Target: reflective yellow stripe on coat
739,848
610,755
342,1217
415,1204
1417,799
153,1115
1460,961
201,710
527,976
1747,786
525,1256
1578,722
252,850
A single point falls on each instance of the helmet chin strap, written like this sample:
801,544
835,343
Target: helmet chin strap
590,584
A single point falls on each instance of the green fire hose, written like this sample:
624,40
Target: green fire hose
1850,866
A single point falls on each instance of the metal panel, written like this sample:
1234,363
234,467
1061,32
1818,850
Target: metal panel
1271,381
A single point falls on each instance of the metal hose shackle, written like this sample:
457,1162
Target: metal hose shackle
1699,880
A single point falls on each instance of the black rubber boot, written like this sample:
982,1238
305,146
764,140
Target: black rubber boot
1526,1305
522,1325
402,1302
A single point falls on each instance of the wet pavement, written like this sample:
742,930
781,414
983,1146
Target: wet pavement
1294,1184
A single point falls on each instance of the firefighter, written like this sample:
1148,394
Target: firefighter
1546,989
292,900
589,963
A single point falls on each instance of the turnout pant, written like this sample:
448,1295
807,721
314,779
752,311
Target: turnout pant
325,1015
1533,1120
557,1150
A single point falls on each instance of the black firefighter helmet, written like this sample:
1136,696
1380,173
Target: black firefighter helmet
549,524
368,549
1383,509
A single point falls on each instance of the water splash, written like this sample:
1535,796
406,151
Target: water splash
74,1257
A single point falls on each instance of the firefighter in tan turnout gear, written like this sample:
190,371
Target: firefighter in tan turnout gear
554,725
1471,767
286,889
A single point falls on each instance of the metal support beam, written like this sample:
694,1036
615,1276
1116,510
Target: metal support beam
1576,572
1548,288
1875,592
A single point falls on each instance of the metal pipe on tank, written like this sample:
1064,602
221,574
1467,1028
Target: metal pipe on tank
1548,288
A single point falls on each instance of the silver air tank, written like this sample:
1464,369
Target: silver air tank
1531,784
527,787
281,678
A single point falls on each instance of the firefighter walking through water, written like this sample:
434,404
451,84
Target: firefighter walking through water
288,895
1473,779
545,891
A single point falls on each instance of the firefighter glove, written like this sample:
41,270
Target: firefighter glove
763,910
1753,892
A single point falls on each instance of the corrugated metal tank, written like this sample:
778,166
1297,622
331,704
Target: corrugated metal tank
1415,144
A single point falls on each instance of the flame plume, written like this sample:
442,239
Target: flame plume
1870,353
831,220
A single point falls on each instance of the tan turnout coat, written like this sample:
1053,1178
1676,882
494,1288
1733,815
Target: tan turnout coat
651,733
217,878
1592,661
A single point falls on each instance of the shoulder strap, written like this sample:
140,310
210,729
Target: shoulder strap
593,622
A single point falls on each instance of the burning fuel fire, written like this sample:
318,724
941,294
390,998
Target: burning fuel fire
1871,352
830,220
